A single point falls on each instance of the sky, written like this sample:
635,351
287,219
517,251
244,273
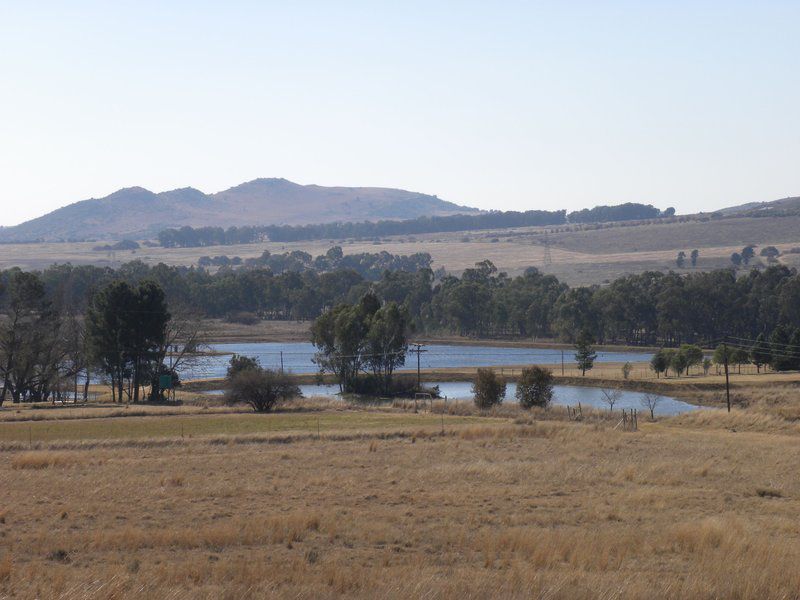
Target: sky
498,105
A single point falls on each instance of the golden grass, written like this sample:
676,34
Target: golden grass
46,459
493,508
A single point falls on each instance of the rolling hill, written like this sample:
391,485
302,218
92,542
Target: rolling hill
136,212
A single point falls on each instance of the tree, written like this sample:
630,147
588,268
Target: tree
782,359
794,349
260,388
722,353
760,354
610,397
706,365
659,362
387,342
694,256
26,337
739,357
693,355
626,370
736,259
584,352
679,362
748,254
488,388
650,402
361,337
535,387
681,260
771,253
126,330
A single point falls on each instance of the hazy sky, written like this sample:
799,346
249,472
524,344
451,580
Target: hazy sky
511,105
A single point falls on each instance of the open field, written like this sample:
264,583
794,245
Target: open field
382,504
580,255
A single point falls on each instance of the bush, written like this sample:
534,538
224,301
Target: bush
535,387
239,363
261,388
489,389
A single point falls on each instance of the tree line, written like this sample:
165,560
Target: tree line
650,308
191,237
370,265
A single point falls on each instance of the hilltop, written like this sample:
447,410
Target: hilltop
135,212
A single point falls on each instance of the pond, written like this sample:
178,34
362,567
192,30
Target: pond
297,357
563,395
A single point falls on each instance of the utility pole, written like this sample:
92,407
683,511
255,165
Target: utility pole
727,381
418,351
281,361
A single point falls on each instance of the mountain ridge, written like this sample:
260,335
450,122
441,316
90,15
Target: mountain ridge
136,212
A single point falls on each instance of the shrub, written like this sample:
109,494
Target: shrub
489,389
239,363
626,370
261,388
535,387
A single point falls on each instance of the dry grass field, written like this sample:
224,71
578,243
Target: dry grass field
379,503
580,255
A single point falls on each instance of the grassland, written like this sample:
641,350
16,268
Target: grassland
580,255
386,503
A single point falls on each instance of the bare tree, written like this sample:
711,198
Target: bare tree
650,401
611,397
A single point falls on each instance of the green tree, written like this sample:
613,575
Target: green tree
721,353
782,358
584,352
736,259
488,388
680,262
387,342
694,256
659,363
126,330
679,362
748,254
535,387
693,355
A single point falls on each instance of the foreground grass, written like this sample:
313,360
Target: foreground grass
543,509
198,425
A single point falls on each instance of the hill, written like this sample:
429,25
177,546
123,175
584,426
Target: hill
783,205
136,212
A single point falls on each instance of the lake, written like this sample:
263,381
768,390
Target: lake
297,357
563,395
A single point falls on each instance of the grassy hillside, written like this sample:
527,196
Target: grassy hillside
137,212
580,255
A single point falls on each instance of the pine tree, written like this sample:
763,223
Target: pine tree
584,352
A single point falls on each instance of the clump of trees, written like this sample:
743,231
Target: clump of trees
535,387
126,333
678,360
488,388
362,339
249,383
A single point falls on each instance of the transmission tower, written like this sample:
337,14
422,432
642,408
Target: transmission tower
548,260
